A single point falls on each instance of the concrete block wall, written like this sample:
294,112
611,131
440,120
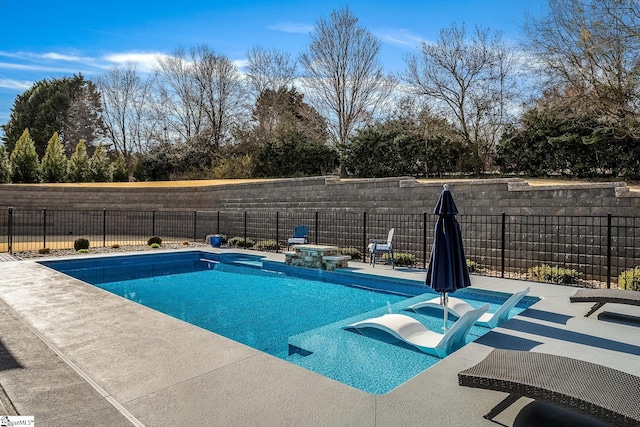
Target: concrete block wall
387,201
399,195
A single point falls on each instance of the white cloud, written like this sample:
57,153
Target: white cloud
49,56
291,27
15,84
241,63
54,56
400,37
29,67
144,62
9,54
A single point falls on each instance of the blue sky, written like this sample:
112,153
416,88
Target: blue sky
45,39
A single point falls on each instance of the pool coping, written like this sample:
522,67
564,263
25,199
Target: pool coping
76,355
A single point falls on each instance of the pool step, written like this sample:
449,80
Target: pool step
295,351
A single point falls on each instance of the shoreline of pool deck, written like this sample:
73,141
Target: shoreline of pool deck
72,354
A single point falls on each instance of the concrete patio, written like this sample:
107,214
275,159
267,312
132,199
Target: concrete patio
75,355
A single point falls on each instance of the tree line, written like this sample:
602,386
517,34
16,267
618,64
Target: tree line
563,102
23,165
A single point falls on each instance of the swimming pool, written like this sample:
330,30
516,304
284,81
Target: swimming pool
277,309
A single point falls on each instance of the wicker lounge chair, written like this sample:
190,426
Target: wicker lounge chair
595,390
411,331
602,296
458,307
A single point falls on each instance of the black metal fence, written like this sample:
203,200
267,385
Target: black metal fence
598,248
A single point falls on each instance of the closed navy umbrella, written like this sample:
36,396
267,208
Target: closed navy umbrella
447,270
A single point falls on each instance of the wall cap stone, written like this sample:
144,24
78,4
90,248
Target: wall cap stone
525,186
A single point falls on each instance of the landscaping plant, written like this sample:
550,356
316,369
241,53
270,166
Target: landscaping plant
81,244
630,279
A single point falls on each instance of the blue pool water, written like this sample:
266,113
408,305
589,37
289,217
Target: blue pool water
279,310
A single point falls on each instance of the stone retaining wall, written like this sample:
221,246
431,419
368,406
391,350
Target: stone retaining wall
401,195
557,224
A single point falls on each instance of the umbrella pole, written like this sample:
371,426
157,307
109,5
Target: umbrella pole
445,301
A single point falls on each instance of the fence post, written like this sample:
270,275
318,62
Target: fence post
424,240
153,222
44,227
315,234
218,224
364,236
10,230
195,228
608,251
277,231
245,228
503,243
104,227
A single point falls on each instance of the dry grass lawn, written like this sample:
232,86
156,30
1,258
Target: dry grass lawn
210,182
152,184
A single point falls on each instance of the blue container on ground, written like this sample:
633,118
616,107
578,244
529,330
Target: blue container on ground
215,240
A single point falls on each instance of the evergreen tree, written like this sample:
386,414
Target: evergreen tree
25,166
99,165
68,105
119,171
5,166
54,162
78,169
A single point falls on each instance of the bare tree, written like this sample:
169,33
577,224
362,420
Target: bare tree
343,75
200,95
126,100
470,82
177,99
590,51
269,69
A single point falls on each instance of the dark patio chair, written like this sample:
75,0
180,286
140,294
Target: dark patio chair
601,392
602,296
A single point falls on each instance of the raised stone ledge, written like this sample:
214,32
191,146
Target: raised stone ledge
624,191
525,186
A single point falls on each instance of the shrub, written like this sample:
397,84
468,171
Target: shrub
44,251
99,166
83,251
630,279
354,253
266,245
239,242
402,259
118,170
25,166
185,243
472,266
80,244
154,239
5,165
553,274
234,168
54,162
78,169
154,245
114,246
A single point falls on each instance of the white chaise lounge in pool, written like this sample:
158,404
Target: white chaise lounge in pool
458,307
411,331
